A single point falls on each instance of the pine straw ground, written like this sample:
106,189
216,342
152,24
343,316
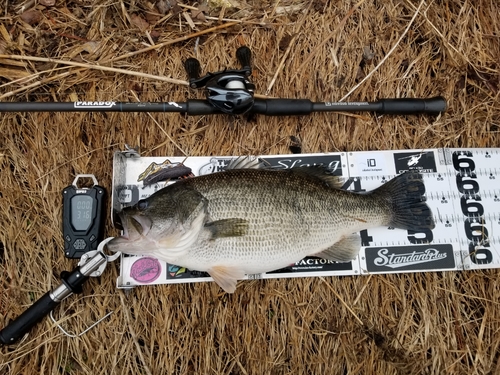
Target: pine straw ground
432,323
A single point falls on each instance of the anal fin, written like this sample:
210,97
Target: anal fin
343,251
226,277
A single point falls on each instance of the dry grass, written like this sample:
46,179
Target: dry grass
436,323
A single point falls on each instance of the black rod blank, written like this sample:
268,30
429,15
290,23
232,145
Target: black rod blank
268,107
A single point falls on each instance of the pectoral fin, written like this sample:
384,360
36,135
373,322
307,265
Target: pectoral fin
226,277
227,228
343,251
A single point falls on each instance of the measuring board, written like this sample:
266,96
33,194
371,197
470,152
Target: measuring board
461,185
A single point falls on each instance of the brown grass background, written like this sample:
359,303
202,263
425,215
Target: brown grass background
432,323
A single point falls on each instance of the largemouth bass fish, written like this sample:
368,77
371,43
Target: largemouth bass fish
254,220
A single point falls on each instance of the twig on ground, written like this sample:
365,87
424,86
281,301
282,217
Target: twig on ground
97,67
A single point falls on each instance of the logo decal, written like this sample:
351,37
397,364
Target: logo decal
145,270
177,272
161,172
94,104
367,163
415,258
333,163
215,165
410,161
312,264
402,260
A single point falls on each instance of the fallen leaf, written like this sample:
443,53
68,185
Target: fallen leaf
163,6
460,84
47,3
319,5
152,18
176,9
155,35
295,145
5,34
188,19
135,86
368,54
489,80
198,15
140,22
32,16
285,42
360,74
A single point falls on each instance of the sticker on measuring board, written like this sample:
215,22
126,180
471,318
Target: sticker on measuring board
476,195
395,259
460,186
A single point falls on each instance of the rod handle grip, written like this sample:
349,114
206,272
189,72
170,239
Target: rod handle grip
282,107
27,320
412,106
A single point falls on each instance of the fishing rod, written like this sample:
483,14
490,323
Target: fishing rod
231,92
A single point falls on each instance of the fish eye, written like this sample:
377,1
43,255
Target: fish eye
142,204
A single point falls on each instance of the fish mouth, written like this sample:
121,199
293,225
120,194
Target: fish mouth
133,227
141,223
133,239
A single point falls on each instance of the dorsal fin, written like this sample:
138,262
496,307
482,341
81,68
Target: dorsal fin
246,162
320,172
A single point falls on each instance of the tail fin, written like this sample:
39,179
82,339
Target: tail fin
407,203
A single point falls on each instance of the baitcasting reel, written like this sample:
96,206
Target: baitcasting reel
229,91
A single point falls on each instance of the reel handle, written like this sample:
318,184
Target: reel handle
193,68
244,56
